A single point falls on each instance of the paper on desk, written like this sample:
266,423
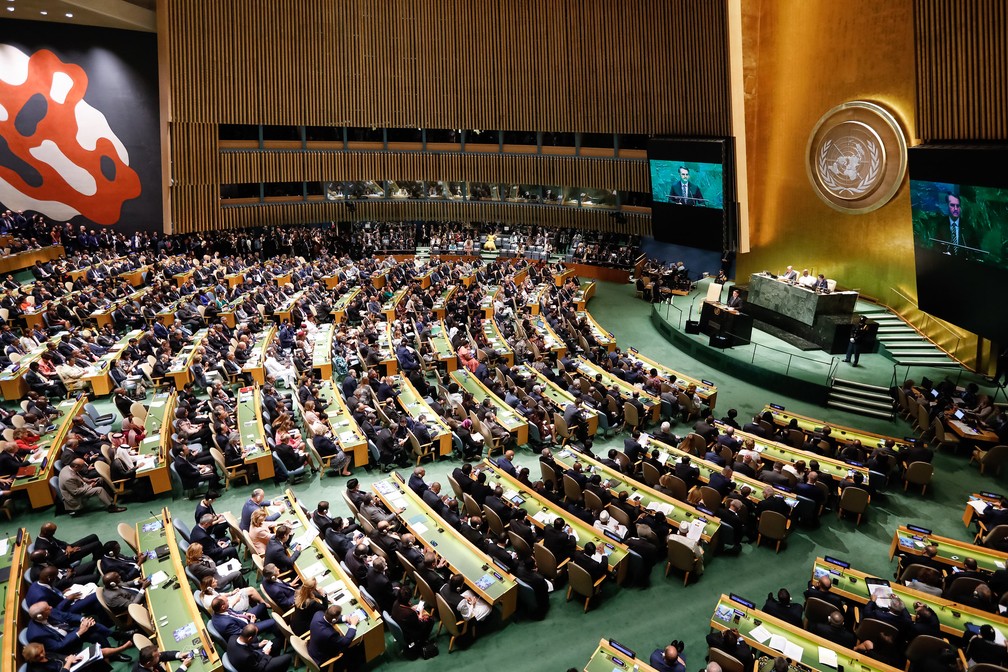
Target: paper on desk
307,538
695,530
663,507
793,651
397,502
778,642
314,570
544,517
228,567
999,637
84,589
827,657
157,578
978,505
999,564
419,528
4,545
760,634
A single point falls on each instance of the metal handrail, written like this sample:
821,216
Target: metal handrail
926,322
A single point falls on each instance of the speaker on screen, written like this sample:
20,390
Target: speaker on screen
692,190
959,213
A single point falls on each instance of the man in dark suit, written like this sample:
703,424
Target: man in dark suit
783,608
326,640
772,502
821,589
278,591
585,560
834,630
276,550
63,636
722,481
632,448
495,502
683,192
558,540
150,659
949,232
248,653
229,622
379,585
416,482
735,301
219,550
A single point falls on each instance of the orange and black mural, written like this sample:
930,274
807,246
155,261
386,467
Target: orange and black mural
78,124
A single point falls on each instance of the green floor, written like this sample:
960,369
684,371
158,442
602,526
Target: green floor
647,618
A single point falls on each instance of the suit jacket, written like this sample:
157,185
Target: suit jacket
281,593
52,640
559,542
228,624
693,194
276,553
326,641
247,657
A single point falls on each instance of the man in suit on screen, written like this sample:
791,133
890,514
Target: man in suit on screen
952,229
683,192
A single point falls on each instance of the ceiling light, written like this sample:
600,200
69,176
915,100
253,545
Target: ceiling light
44,13
69,15
9,8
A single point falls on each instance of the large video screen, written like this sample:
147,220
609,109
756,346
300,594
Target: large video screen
692,190
959,210
687,183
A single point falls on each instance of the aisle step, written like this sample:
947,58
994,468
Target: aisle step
857,409
868,387
862,402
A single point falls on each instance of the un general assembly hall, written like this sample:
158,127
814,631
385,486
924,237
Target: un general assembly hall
546,336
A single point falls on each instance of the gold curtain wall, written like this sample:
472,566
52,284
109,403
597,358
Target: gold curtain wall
642,66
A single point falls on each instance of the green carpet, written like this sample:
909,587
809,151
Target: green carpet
644,619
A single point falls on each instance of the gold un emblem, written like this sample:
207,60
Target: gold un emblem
856,157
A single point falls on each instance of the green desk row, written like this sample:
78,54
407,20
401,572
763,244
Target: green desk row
496,340
542,512
153,450
670,455
177,622
705,389
492,583
415,406
443,350
12,565
316,560
506,416
839,432
763,632
253,437
909,540
652,404
607,658
641,495
322,351
850,584
781,452
558,396
345,429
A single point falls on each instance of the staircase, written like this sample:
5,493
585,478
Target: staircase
903,343
850,395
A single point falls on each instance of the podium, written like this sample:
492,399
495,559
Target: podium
823,319
726,327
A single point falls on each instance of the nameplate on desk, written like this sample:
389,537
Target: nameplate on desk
853,464
707,382
741,600
634,351
838,563
993,495
622,649
705,510
921,530
777,407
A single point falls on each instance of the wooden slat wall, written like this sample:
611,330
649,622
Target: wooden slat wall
962,69
599,66
324,211
608,174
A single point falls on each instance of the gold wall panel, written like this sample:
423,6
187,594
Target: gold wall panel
786,45
962,69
